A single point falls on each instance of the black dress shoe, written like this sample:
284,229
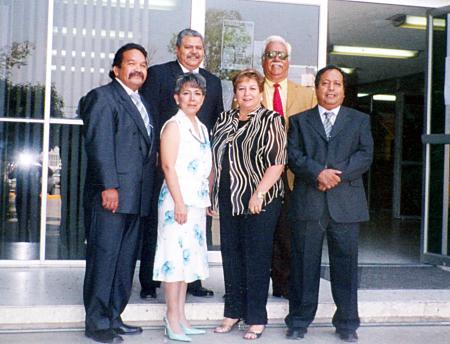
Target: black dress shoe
279,294
147,294
104,336
127,329
296,332
201,292
348,336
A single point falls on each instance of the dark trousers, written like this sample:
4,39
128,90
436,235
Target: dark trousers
281,260
112,248
150,234
307,243
246,244
149,227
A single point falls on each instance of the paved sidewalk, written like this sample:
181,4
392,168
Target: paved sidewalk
417,334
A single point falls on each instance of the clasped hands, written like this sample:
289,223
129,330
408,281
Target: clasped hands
328,179
110,199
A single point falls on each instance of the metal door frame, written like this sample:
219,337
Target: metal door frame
429,139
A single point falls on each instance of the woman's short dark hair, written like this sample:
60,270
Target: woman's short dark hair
248,73
191,79
118,58
327,68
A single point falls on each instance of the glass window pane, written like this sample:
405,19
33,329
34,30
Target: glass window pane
67,162
87,33
20,192
438,81
435,198
236,29
23,37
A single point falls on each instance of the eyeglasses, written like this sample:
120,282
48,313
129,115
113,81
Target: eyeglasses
271,55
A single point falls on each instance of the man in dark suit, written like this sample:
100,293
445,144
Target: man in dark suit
329,149
121,152
159,90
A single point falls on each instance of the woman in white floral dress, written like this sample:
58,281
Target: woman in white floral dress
181,251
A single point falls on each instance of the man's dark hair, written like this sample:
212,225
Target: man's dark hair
327,68
188,32
118,58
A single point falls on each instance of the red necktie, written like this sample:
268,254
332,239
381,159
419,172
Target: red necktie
277,104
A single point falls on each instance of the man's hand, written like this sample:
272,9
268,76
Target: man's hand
110,199
328,179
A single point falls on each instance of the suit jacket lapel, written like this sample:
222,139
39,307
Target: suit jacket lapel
175,69
316,123
341,120
291,100
264,100
132,110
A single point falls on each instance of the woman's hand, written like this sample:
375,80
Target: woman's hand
180,213
210,212
255,204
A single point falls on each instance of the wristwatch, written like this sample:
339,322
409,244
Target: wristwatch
260,195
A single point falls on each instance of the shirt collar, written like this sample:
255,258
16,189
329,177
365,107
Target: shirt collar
322,110
185,70
282,83
126,88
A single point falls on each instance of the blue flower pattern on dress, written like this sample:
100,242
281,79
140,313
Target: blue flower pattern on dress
167,268
181,249
169,217
186,256
204,190
198,234
162,195
205,146
193,166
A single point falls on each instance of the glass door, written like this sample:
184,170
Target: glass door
435,238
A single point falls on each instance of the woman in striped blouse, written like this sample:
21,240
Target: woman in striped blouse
249,154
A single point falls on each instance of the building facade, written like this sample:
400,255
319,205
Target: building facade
52,52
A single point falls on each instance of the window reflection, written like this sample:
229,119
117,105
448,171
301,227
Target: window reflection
20,192
65,230
235,31
22,58
86,34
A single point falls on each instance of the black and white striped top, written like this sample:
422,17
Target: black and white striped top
252,148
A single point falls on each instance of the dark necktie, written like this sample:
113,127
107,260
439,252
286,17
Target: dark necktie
327,125
140,106
277,104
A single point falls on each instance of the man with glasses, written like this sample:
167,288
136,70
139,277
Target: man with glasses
287,98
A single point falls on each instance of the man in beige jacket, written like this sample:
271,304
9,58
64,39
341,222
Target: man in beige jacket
287,98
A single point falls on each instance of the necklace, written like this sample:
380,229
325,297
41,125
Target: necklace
205,138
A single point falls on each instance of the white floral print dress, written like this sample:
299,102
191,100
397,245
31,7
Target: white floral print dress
181,251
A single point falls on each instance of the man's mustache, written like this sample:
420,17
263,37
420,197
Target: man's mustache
197,56
277,64
136,73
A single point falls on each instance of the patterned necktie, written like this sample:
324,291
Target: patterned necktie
277,104
327,125
140,106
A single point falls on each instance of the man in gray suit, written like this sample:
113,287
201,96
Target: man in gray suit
120,144
329,149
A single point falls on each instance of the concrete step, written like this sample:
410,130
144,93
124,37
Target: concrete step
52,298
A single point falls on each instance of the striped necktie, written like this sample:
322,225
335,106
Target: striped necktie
140,106
327,125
